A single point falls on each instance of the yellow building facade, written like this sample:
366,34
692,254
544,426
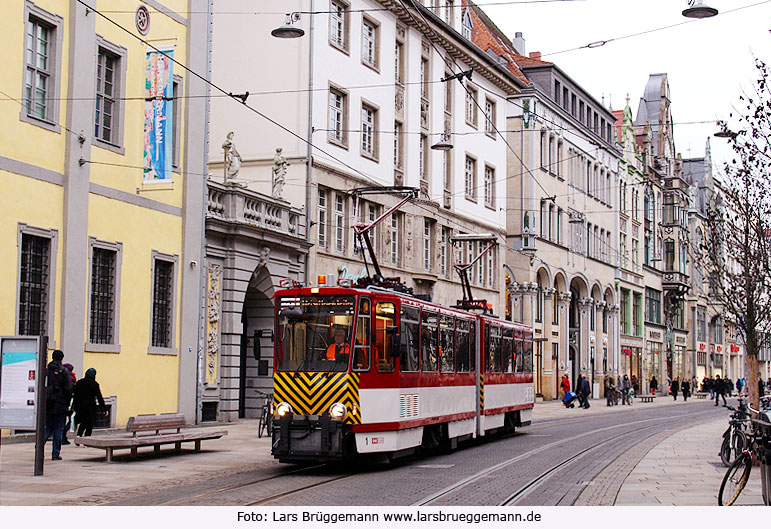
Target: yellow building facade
102,184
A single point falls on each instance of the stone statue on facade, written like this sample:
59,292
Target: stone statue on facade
232,158
279,173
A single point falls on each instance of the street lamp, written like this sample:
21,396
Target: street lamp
697,9
443,144
288,30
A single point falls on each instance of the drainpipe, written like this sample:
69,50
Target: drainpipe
203,269
309,162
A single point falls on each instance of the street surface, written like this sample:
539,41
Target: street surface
550,463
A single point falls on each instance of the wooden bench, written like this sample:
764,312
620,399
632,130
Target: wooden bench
168,428
701,394
646,398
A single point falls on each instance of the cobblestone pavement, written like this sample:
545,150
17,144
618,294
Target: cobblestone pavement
685,469
234,464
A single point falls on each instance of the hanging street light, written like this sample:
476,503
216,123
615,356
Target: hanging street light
443,144
289,30
697,9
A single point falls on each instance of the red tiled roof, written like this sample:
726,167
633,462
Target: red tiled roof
487,36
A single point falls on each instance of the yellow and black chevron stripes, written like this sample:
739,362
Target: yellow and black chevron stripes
482,391
314,393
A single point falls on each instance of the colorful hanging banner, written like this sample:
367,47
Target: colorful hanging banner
159,90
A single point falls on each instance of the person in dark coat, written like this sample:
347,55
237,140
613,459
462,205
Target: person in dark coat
686,388
654,385
675,388
761,391
720,389
58,394
87,394
68,422
585,391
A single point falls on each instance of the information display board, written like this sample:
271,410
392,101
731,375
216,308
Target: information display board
19,381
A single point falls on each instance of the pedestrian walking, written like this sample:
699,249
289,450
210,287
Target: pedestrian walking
761,391
710,387
68,422
729,386
720,389
58,394
565,383
87,395
694,386
626,385
654,385
675,388
686,389
739,385
585,391
635,384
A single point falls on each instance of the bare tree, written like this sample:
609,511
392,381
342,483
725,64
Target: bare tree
738,248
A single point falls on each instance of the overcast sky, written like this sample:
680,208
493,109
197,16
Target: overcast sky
708,61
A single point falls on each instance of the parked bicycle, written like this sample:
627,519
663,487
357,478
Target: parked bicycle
735,437
758,446
265,426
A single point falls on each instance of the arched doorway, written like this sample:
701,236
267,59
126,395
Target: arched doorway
255,367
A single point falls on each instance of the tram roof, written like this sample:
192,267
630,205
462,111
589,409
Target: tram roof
411,300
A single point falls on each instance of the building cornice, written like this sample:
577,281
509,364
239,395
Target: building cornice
459,48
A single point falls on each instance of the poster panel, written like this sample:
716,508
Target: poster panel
18,382
159,121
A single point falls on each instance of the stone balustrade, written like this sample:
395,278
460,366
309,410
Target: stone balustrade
242,206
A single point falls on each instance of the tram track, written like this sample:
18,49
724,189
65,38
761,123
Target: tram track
476,477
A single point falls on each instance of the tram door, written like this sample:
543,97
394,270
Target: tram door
539,369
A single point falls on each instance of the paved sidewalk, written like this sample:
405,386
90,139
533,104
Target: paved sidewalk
83,478
685,469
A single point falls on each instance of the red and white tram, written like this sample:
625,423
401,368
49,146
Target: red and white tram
372,370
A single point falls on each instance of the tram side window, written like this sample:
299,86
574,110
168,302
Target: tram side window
462,345
361,348
410,319
446,343
428,345
527,353
494,349
518,352
472,344
385,316
508,349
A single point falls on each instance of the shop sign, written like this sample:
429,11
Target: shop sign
654,335
345,274
702,347
680,339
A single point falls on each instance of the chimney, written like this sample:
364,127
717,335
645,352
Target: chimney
519,43
535,55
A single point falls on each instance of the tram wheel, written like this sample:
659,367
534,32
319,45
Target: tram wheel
432,438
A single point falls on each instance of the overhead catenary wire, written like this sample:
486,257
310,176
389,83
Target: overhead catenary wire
347,10
602,42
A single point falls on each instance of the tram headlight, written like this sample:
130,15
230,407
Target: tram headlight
283,409
338,410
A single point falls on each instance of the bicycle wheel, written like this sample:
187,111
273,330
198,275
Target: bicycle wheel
263,421
735,479
729,453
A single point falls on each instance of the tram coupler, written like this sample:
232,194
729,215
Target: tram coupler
307,437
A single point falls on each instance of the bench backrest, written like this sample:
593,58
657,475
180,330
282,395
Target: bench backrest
166,421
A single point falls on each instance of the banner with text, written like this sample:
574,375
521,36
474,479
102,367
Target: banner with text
159,105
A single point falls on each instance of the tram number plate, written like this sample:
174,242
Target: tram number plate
374,440
529,394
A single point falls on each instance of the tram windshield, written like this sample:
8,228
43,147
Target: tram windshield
314,333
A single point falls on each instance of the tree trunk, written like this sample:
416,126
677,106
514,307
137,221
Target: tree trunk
752,380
